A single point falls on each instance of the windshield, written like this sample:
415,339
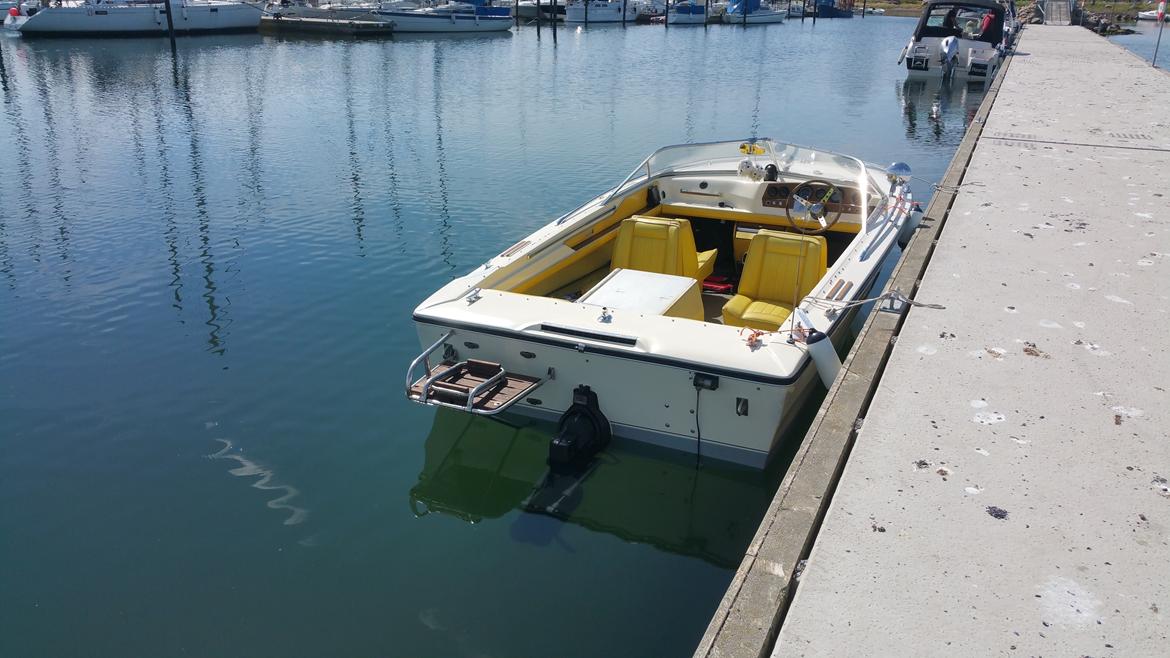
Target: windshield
971,22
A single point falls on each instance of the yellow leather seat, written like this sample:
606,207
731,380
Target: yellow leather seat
781,268
662,245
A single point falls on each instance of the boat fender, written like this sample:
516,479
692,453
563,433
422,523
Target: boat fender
913,220
905,51
13,12
582,432
823,354
820,348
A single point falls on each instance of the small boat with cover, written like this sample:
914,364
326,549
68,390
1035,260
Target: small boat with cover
688,12
960,38
752,12
693,306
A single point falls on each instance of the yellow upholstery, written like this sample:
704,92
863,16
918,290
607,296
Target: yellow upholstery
665,246
781,268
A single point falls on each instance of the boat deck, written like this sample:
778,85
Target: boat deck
1007,493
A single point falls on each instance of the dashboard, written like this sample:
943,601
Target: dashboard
845,199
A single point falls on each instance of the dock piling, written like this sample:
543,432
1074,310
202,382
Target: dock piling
170,25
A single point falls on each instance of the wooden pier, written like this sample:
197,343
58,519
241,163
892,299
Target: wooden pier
990,478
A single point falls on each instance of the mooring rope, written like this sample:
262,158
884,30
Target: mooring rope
895,295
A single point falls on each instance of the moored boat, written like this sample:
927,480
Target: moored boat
960,38
1151,15
685,307
834,8
91,18
451,17
334,10
752,12
531,10
689,12
601,11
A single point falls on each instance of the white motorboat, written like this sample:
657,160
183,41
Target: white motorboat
119,18
685,307
689,12
796,9
450,17
753,12
1151,15
960,38
601,11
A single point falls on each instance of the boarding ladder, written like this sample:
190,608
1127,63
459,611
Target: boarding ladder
479,387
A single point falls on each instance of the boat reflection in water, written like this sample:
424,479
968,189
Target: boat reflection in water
478,468
939,110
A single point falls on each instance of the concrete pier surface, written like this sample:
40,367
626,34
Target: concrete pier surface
1007,491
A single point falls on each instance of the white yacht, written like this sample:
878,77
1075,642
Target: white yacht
684,307
601,11
753,12
450,17
688,12
120,18
959,38
795,9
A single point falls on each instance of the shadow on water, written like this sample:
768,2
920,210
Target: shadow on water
389,126
355,170
167,190
479,469
216,312
12,111
52,147
441,158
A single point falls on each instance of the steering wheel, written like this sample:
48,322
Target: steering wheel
815,204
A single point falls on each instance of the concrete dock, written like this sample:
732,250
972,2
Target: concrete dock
1002,482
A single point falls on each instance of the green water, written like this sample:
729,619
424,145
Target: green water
207,268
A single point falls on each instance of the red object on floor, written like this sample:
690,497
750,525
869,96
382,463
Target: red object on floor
718,284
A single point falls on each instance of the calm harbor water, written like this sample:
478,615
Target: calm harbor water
1144,40
207,268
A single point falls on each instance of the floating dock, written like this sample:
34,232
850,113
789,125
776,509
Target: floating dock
990,478
300,25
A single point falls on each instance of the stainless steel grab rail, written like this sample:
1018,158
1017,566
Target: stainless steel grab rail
425,359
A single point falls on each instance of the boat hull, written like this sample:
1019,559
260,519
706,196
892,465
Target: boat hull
144,20
610,12
407,21
686,14
331,13
967,60
755,18
649,401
